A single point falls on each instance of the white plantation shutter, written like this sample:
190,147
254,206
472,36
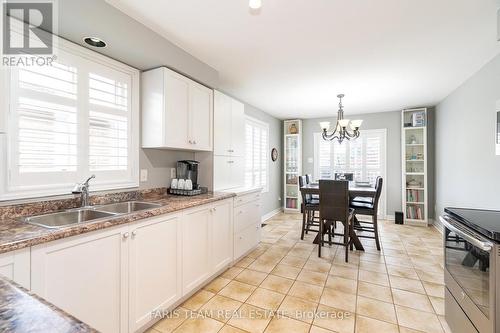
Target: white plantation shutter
256,154
373,158
44,124
108,124
324,160
70,120
364,157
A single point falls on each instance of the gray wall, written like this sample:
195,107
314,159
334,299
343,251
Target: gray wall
389,120
272,199
467,169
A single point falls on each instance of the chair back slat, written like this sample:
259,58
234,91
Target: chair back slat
334,200
378,191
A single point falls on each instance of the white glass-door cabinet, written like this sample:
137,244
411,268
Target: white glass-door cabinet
292,164
414,166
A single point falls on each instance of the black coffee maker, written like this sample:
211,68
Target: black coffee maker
188,169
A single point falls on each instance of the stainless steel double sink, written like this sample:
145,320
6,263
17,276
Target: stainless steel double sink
80,215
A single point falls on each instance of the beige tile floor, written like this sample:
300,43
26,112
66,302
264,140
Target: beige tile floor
282,286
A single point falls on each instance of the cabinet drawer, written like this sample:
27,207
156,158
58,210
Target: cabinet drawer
243,199
246,215
245,240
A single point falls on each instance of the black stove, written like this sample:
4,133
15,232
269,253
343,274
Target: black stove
484,222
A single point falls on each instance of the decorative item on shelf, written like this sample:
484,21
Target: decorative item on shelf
274,154
418,119
413,139
413,184
341,132
293,129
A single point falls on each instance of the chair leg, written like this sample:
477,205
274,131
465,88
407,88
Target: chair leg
308,220
375,229
303,225
320,237
330,233
346,240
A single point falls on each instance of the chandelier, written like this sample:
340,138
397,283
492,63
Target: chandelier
341,131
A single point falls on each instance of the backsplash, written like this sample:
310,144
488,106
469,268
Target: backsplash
48,206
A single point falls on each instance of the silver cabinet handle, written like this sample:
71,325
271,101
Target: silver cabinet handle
471,238
215,209
134,233
194,142
190,141
125,235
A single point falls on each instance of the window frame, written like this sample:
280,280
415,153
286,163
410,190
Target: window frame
262,124
90,61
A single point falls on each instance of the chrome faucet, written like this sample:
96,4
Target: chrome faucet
83,190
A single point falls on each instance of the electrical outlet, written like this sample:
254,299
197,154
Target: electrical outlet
144,175
173,173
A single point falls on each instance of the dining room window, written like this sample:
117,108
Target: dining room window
364,157
256,154
67,121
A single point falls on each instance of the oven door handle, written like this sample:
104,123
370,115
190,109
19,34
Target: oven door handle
483,245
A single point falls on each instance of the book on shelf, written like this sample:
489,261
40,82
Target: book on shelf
414,212
414,196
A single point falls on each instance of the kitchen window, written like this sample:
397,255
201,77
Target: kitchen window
365,157
67,121
256,154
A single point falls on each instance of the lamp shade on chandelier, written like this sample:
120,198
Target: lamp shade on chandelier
344,129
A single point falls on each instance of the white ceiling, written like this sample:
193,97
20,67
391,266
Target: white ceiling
295,56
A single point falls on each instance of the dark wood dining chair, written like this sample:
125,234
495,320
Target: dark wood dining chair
309,207
371,209
309,181
334,207
368,200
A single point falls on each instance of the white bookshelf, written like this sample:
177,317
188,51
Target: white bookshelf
292,152
414,166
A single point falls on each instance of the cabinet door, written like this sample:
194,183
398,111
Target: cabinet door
155,268
15,266
222,124
222,235
195,249
86,276
222,172
237,128
200,107
176,110
237,171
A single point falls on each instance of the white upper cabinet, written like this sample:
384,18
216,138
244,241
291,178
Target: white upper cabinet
229,126
177,113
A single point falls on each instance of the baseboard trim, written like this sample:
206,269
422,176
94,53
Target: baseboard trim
271,214
390,217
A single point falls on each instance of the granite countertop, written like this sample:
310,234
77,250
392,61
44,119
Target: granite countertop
22,311
16,235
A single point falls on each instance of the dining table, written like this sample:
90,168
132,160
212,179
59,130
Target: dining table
354,191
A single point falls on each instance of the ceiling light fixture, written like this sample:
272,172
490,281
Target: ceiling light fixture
94,41
341,132
255,4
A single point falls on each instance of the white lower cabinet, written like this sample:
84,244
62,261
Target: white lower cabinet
86,276
114,279
15,266
247,223
155,268
222,235
206,243
195,248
